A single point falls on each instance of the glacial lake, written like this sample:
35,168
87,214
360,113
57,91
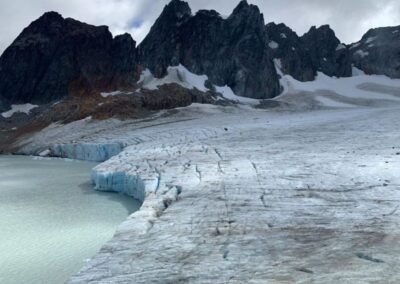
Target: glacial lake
51,219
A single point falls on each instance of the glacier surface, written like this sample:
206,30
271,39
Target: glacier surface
244,195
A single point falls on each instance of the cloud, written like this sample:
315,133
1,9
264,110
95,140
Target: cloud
350,19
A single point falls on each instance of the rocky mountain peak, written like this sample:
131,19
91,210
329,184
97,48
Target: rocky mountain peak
230,52
158,50
177,9
247,16
327,53
244,7
54,57
378,52
321,33
286,46
49,17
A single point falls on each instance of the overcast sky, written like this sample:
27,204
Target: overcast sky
349,18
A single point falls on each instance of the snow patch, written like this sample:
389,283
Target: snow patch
370,39
340,47
361,53
111,94
24,108
283,35
357,72
227,93
346,87
176,74
273,44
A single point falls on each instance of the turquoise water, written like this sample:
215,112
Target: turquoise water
51,219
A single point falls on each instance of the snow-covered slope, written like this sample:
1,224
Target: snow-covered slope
358,90
175,74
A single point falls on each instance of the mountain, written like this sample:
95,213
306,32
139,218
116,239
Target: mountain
54,57
327,53
288,47
229,51
378,52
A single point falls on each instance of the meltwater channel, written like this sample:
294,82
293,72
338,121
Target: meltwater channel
51,218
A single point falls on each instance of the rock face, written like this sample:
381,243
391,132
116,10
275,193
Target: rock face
286,45
54,57
378,52
328,54
229,51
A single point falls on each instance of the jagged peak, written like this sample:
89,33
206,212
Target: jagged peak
391,31
245,7
48,18
51,15
322,28
178,8
280,26
125,37
325,31
208,13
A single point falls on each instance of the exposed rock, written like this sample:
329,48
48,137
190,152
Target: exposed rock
327,53
378,52
159,49
230,52
54,57
286,45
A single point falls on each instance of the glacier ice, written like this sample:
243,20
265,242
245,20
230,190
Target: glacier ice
87,151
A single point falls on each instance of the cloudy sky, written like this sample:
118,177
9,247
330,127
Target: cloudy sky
349,18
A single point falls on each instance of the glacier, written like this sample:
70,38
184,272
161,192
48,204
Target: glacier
304,193
86,151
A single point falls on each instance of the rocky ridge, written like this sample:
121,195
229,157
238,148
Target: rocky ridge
378,52
56,57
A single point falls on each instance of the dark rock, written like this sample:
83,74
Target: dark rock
230,52
3,106
369,258
378,52
159,49
327,53
54,57
286,45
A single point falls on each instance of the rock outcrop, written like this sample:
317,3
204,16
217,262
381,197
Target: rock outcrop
54,57
229,51
287,46
328,54
378,52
